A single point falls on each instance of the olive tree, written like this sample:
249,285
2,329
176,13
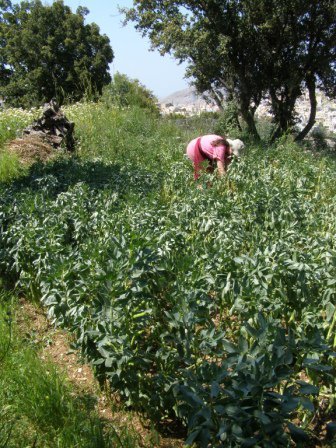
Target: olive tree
248,49
49,51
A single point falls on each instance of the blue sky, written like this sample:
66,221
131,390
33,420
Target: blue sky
162,75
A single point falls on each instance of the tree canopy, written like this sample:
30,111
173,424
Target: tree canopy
248,49
49,51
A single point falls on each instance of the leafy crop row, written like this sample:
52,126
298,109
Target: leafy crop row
167,287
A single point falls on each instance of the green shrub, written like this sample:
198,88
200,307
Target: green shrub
319,135
126,92
228,122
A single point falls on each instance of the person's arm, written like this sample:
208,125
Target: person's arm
221,154
221,168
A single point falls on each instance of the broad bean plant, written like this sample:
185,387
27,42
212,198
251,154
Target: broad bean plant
215,306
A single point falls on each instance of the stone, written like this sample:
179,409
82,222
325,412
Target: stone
53,127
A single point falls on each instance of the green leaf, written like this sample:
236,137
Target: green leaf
229,346
137,273
246,443
330,311
192,437
290,405
320,367
215,389
307,404
251,331
297,434
190,397
307,389
262,417
237,430
109,362
232,410
331,430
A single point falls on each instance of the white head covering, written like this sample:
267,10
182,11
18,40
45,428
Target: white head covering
236,145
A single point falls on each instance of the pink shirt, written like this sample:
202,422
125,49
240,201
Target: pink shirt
213,152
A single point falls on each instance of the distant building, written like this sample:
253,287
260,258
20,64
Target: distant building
187,102
325,111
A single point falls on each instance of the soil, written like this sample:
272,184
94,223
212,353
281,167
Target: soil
31,149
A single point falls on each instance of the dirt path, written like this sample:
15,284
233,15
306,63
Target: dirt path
55,346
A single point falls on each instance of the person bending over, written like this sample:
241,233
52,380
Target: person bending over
213,149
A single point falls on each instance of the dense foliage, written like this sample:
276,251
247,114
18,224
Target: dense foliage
216,306
48,51
248,50
126,92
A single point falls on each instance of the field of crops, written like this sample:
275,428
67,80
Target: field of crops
213,306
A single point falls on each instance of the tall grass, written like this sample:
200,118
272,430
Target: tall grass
12,121
10,167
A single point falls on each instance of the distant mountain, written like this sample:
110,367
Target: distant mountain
185,97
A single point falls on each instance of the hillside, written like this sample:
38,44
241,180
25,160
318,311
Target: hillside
183,97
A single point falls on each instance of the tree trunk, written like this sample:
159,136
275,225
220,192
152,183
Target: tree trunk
236,118
276,134
283,109
312,98
248,117
217,98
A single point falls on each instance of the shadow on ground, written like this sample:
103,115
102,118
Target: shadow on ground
58,176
